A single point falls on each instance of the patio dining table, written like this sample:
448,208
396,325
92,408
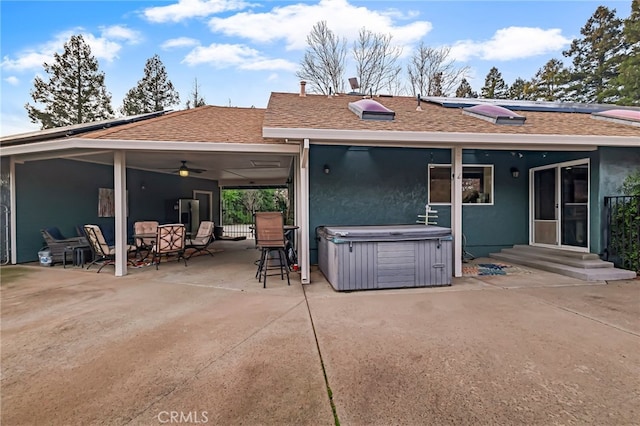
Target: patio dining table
139,242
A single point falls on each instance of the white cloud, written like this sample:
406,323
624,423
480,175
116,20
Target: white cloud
269,64
186,9
293,22
103,47
237,55
25,60
511,43
12,80
273,77
179,42
120,32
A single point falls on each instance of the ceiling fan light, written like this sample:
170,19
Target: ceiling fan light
184,172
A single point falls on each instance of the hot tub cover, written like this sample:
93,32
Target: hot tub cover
343,234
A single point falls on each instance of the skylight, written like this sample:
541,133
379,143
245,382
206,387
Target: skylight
622,116
368,109
495,114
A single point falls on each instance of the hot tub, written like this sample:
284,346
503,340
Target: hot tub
385,256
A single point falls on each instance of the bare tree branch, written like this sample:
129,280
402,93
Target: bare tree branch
431,71
324,60
376,62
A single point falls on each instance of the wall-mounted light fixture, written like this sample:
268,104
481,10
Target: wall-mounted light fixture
143,186
515,172
326,169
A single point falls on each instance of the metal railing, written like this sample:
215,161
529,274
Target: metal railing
622,231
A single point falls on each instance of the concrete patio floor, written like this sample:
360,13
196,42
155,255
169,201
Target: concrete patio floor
207,344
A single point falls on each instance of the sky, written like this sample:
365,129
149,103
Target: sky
239,51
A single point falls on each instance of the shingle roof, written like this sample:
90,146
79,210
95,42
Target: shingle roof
290,110
203,124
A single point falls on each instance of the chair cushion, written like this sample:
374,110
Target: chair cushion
55,233
145,227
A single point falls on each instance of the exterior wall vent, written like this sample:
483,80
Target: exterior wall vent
368,109
495,114
621,116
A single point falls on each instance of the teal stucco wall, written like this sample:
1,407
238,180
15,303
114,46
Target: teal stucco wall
389,186
64,193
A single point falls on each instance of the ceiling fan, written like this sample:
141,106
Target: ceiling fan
184,170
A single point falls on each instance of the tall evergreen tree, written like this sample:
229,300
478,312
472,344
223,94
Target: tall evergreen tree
196,100
629,78
153,93
520,90
437,89
494,85
464,90
549,83
75,92
596,58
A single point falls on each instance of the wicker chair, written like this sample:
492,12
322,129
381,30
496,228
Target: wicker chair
58,243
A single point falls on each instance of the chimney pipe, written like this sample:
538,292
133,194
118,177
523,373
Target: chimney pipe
302,89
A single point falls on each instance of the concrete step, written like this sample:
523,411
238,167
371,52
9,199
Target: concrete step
563,253
592,274
575,261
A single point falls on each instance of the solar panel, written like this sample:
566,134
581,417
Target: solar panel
520,105
495,114
368,109
622,116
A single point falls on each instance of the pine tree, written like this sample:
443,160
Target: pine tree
197,100
629,78
550,81
75,92
464,90
596,58
153,93
494,86
520,90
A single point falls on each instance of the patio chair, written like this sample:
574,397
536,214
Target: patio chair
144,233
169,241
270,240
103,253
202,240
58,243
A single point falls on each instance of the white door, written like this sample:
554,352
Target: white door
560,205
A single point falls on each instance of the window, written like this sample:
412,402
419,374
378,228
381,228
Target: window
477,184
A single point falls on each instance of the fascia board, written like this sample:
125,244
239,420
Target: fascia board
400,138
129,145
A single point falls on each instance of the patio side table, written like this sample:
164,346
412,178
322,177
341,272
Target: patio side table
78,255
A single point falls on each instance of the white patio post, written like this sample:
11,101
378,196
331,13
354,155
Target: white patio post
12,210
120,194
456,209
302,212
